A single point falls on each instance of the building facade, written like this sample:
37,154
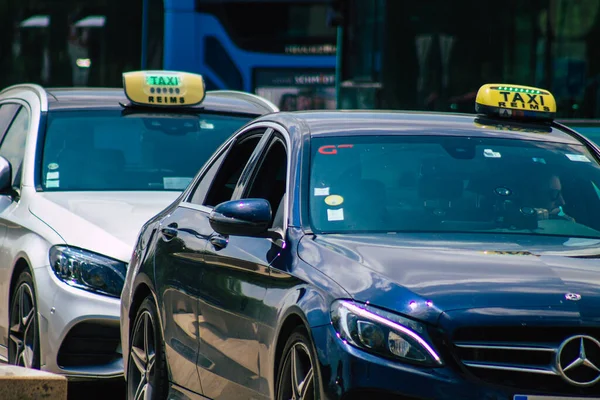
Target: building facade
74,42
435,54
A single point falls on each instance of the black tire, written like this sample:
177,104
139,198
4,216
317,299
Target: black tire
305,389
147,367
24,334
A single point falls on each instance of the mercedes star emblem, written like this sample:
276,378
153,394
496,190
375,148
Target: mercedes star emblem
573,296
578,360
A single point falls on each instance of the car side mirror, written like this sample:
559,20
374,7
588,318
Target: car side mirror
246,217
5,175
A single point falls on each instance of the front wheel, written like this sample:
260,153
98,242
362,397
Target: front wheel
24,340
298,377
147,368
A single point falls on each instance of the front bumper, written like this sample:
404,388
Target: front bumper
349,373
79,330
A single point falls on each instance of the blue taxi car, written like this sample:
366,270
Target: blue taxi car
377,255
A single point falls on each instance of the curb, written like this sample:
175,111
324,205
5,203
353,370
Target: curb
18,383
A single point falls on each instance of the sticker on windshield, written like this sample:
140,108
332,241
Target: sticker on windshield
52,175
335,215
577,157
539,160
322,191
52,166
334,200
176,183
53,183
206,125
332,149
491,153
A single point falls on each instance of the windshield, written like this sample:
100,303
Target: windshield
453,184
103,150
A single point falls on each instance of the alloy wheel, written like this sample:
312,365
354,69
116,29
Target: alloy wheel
142,363
298,380
23,327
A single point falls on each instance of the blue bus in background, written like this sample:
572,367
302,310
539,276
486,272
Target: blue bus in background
283,50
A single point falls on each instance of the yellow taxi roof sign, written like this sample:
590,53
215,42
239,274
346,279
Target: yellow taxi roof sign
515,102
164,88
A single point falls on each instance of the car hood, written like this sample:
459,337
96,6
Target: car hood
424,275
104,222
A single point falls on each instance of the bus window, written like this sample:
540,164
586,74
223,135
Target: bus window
275,26
283,50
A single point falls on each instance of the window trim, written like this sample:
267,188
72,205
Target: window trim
271,129
23,105
186,196
193,192
275,137
224,149
9,102
281,133
189,194
258,165
256,155
591,146
33,97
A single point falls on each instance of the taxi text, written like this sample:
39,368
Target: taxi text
166,99
516,100
163,80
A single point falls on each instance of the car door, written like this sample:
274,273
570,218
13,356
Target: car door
179,257
233,288
14,125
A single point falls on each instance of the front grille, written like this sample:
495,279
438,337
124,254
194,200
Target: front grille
90,343
524,358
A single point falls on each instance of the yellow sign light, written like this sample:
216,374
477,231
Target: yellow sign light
515,101
164,88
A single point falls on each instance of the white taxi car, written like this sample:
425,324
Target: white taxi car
80,171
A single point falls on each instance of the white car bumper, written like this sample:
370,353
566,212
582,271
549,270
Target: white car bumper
79,330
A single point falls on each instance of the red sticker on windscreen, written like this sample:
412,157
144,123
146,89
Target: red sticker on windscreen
331,149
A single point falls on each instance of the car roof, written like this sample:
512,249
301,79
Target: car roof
377,122
71,98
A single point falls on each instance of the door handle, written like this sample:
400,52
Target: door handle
219,241
170,231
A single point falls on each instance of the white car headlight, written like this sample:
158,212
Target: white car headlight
386,334
88,271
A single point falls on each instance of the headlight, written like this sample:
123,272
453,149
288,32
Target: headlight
384,333
89,271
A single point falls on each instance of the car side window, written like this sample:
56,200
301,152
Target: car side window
226,178
200,190
13,144
270,180
7,113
